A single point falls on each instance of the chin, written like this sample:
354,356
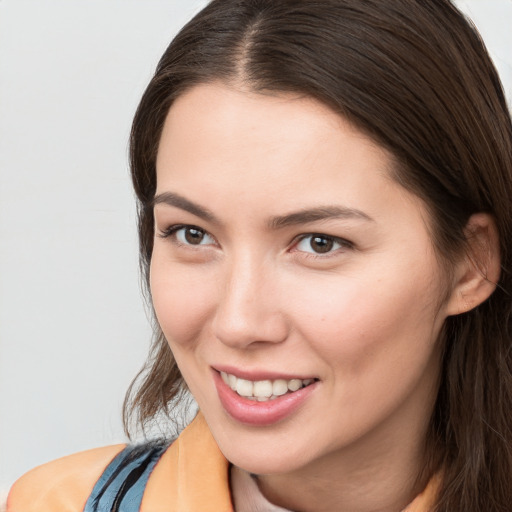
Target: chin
265,455
266,465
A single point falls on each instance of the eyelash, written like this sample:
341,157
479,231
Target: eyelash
341,242
171,232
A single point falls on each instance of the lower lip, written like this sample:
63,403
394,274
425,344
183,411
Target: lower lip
252,412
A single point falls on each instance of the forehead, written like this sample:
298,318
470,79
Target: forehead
222,125
235,151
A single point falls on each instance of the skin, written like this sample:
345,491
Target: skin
363,318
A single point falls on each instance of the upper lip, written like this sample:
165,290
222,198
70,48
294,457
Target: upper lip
257,374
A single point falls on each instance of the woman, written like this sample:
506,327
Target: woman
325,224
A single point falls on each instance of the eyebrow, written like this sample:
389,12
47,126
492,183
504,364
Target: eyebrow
317,214
171,199
300,217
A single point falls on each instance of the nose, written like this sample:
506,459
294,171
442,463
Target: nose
249,311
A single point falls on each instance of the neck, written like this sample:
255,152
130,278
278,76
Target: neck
379,473
384,490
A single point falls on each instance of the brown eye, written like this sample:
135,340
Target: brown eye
318,243
188,235
193,236
321,244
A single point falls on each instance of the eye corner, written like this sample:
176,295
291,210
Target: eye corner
185,234
168,231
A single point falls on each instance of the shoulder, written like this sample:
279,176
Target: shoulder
64,484
157,476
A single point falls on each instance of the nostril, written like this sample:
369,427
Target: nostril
254,328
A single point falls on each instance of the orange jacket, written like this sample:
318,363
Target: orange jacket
191,476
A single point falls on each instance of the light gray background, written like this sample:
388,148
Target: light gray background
73,331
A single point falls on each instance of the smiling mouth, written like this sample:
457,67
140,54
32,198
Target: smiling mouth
264,390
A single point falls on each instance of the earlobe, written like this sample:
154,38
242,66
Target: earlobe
478,272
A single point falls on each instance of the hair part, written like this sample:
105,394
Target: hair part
414,76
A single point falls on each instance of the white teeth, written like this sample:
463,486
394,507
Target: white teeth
244,387
232,382
294,384
279,387
263,390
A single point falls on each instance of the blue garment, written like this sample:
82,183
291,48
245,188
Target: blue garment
121,486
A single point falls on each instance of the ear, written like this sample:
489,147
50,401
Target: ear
478,271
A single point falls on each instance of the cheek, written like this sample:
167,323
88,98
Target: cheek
181,300
377,344
367,324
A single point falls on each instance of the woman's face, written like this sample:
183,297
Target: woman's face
286,260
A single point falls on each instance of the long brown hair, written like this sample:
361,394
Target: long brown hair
415,76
